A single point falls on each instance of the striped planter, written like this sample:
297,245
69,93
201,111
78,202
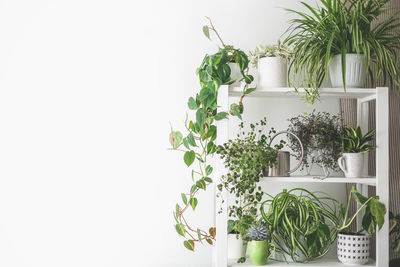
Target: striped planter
355,71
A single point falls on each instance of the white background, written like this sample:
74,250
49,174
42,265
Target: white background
87,91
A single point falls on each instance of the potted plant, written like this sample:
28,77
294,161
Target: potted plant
302,224
353,247
320,134
395,232
197,143
245,157
236,244
259,244
344,38
354,145
271,62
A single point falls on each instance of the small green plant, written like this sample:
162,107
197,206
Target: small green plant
258,232
302,224
320,134
198,144
279,50
395,231
245,157
374,213
353,141
338,27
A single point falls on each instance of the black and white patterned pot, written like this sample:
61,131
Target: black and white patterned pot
353,249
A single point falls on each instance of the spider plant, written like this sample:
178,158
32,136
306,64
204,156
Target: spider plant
302,224
339,27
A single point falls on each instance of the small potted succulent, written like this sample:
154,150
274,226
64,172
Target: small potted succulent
353,247
271,62
259,244
354,145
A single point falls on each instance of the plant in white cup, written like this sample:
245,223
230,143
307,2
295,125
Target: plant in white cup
354,145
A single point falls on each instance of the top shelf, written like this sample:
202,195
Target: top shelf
359,93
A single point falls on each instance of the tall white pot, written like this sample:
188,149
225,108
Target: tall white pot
355,71
352,164
272,72
236,247
353,249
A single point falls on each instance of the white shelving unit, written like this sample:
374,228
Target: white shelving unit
381,181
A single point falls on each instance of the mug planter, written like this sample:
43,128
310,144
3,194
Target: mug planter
236,247
353,249
355,71
259,252
272,72
352,164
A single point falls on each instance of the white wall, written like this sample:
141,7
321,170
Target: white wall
87,90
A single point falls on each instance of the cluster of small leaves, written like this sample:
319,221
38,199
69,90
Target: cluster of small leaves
258,232
395,231
245,157
320,134
374,215
199,142
279,50
353,141
302,224
338,27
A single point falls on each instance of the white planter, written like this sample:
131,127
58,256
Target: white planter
235,74
355,71
352,164
353,249
272,72
236,247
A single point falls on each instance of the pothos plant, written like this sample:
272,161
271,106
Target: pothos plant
198,143
245,157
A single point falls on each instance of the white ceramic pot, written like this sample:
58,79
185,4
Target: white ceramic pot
272,72
355,71
353,249
235,74
236,247
352,164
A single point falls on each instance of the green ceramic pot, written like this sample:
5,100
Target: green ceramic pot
259,252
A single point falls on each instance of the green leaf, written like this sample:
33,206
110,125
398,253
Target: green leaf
249,90
184,199
235,110
191,141
189,244
192,104
208,179
206,31
177,210
186,143
193,202
199,235
193,189
211,148
200,117
359,198
201,184
189,157
180,229
378,210
175,138
220,116
209,170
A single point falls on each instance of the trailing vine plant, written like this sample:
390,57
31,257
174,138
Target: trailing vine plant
198,144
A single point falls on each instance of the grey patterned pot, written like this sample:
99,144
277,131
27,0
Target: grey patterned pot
353,249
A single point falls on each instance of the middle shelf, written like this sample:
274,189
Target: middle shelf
311,179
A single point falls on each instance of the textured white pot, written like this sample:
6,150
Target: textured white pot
235,74
236,247
352,164
355,71
272,72
353,249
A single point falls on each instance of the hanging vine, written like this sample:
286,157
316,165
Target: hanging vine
198,144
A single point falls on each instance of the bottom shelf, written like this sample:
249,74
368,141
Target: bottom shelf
318,263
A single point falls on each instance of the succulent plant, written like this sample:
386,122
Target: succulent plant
258,232
353,141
